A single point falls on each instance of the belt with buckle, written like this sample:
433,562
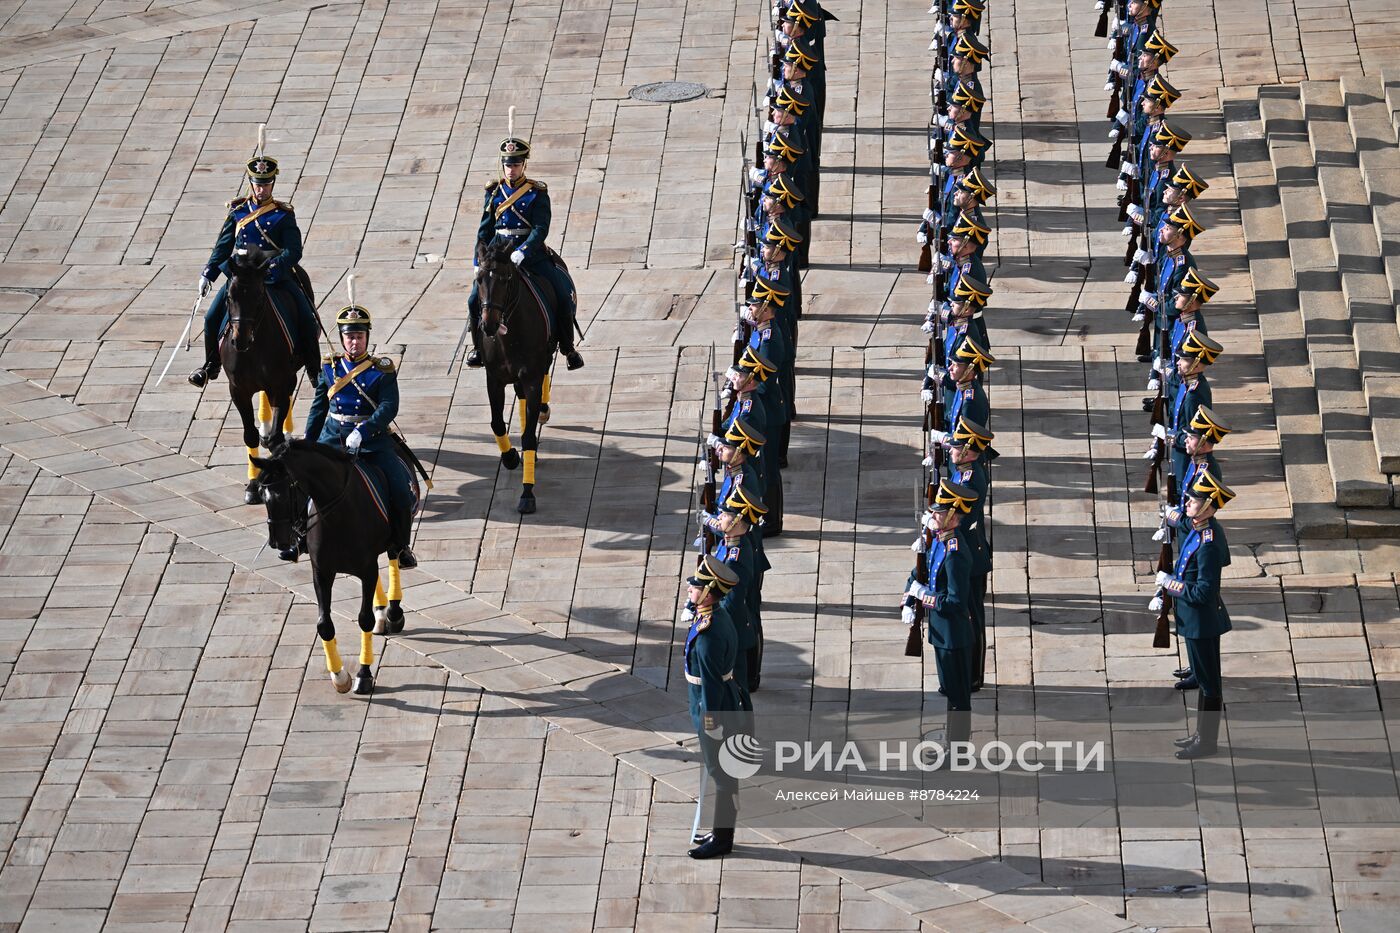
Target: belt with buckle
349,419
699,680
513,231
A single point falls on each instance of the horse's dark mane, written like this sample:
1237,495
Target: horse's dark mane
498,251
307,445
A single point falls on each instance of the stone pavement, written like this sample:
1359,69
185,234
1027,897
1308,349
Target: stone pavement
173,754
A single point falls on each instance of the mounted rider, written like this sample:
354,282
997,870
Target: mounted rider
517,214
261,222
357,397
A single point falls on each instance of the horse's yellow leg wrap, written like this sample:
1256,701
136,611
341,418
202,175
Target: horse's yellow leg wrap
380,601
332,655
253,471
367,648
264,408
395,586
503,442
544,391
522,414
287,423
529,467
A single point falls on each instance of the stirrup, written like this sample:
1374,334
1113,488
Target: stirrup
406,558
204,375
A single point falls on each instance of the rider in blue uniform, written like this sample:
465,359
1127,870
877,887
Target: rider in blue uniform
357,398
517,213
261,222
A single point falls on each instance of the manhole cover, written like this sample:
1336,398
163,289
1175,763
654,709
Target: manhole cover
668,92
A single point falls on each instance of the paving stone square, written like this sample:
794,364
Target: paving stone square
173,755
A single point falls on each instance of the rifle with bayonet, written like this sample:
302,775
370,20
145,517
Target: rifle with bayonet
914,644
708,495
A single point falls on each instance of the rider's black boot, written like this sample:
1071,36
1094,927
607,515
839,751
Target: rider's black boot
399,549
204,374
474,359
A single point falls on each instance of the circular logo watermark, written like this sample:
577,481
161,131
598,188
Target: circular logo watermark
741,755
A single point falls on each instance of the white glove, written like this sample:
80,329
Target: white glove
1159,431
1161,534
921,237
938,437
1098,7
1163,578
916,590
1132,170
928,327
944,263
938,75
687,614
1150,301
929,215
918,546
1135,212
756,175
1122,117
934,372
1114,133
1132,277
736,336
1119,68
204,286
1108,85
1155,604
928,462
906,615
517,257
353,442
1122,184
926,396
769,127
1140,256
1138,316
932,278
712,440
1150,452
1154,384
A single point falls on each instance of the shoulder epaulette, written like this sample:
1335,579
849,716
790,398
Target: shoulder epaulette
384,364
330,357
539,185
235,202
493,184
286,206
702,621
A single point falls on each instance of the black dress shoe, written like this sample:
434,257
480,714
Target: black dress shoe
1181,673
474,359
1196,748
573,359
1188,683
1148,403
1182,743
721,842
1144,357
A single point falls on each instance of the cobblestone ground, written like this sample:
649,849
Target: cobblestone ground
173,755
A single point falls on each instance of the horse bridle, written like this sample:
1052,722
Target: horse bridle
503,311
235,320
293,486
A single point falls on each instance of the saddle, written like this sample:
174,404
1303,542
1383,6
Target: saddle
377,483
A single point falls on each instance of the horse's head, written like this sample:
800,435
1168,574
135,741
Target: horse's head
284,499
247,292
496,289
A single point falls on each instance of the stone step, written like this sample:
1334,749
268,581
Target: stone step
1391,78
1357,252
1310,491
1369,118
1331,354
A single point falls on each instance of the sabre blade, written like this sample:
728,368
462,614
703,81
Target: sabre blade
183,338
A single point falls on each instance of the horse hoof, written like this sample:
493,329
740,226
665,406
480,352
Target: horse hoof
381,620
544,414
510,459
341,681
396,618
526,506
252,495
364,681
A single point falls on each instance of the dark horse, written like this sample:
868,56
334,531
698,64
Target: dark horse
256,351
345,533
517,347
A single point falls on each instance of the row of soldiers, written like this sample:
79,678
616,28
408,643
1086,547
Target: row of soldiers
754,402
947,589
1168,297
